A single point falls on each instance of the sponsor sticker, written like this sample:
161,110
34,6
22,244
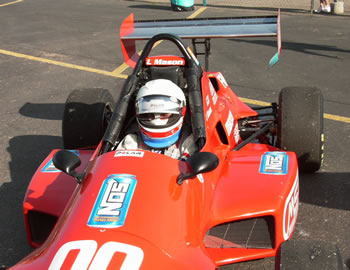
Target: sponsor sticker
274,163
209,111
291,208
164,62
113,201
229,123
236,133
213,93
129,154
200,178
222,80
208,100
50,168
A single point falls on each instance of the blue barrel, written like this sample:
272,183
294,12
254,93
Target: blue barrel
182,5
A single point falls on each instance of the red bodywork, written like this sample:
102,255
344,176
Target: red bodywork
167,226
166,222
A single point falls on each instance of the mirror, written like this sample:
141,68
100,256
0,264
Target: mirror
200,162
67,162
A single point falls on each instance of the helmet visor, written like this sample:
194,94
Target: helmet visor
158,104
158,111
158,120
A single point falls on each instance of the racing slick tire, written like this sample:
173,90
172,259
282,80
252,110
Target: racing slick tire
86,116
300,125
308,254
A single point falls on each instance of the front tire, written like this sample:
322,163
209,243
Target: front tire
300,125
86,116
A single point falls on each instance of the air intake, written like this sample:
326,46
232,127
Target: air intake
41,224
248,233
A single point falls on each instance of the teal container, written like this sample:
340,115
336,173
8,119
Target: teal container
182,5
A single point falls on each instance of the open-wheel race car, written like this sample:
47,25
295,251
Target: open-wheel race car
94,206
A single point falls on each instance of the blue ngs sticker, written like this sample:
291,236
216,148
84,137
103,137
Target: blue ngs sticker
113,201
274,163
50,167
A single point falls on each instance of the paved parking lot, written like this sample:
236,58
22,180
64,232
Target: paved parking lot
48,48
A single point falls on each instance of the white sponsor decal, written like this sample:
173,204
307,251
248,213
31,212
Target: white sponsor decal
291,207
229,123
200,178
209,111
274,163
163,62
208,100
222,80
99,260
213,93
129,154
236,133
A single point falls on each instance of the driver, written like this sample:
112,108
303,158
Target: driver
160,111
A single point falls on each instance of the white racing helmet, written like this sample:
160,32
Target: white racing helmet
160,110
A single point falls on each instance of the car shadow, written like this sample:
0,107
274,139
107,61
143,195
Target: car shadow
48,111
26,153
331,190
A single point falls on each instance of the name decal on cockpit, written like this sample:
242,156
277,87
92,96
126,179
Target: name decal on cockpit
128,153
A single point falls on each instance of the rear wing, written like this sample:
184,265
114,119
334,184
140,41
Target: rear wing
206,28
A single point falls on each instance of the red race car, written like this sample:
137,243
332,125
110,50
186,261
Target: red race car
234,199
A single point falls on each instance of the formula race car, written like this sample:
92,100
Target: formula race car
92,206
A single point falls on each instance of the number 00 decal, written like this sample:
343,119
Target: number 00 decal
103,256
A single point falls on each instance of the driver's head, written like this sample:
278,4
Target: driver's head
160,110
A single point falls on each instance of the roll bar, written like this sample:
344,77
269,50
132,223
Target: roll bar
193,75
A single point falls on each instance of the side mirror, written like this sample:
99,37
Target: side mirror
200,162
67,162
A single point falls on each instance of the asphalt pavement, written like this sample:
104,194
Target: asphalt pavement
48,48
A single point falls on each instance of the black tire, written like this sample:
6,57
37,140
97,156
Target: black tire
300,125
86,116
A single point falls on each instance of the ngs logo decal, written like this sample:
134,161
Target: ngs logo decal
50,168
99,259
113,200
274,163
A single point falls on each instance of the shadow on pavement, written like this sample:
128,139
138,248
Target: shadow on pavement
27,153
331,190
48,111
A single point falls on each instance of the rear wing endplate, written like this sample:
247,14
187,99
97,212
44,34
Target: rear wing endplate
206,28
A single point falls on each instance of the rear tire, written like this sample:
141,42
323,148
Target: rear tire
86,116
300,125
